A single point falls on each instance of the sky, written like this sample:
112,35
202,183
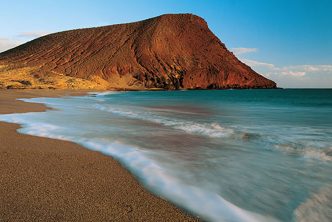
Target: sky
288,41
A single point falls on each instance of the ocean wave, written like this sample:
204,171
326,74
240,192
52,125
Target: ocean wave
246,136
209,205
307,152
317,208
190,110
159,180
211,130
104,93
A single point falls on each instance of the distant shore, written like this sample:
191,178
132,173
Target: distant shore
52,180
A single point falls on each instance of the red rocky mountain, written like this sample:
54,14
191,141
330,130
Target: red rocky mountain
172,51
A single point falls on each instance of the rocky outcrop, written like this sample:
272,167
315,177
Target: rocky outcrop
174,51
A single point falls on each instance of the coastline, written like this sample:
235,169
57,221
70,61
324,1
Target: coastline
48,179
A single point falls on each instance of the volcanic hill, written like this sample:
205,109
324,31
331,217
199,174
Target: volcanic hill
173,51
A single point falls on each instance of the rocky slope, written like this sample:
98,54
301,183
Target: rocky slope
170,51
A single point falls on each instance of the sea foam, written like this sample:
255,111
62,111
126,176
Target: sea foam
323,154
204,203
217,173
205,129
317,207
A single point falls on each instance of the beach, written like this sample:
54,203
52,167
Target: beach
154,156
52,180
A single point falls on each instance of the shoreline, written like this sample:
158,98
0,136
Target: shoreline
48,179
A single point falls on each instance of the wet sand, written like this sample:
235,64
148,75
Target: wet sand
51,180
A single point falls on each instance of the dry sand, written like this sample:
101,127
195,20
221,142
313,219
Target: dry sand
51,180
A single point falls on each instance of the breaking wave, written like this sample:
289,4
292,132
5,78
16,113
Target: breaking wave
213,130
104,93
317,208
307,152
207,204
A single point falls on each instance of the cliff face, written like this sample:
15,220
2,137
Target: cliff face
169,51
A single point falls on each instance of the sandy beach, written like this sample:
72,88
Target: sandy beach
51,180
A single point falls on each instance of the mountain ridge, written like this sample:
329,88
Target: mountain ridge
171,51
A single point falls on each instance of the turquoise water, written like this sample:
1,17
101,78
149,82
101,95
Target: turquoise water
230,155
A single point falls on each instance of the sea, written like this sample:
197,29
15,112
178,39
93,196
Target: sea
223,155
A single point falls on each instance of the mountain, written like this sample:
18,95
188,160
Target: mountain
172,51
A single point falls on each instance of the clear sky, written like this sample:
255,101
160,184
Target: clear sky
289,41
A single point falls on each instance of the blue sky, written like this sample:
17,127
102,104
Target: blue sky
289,41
